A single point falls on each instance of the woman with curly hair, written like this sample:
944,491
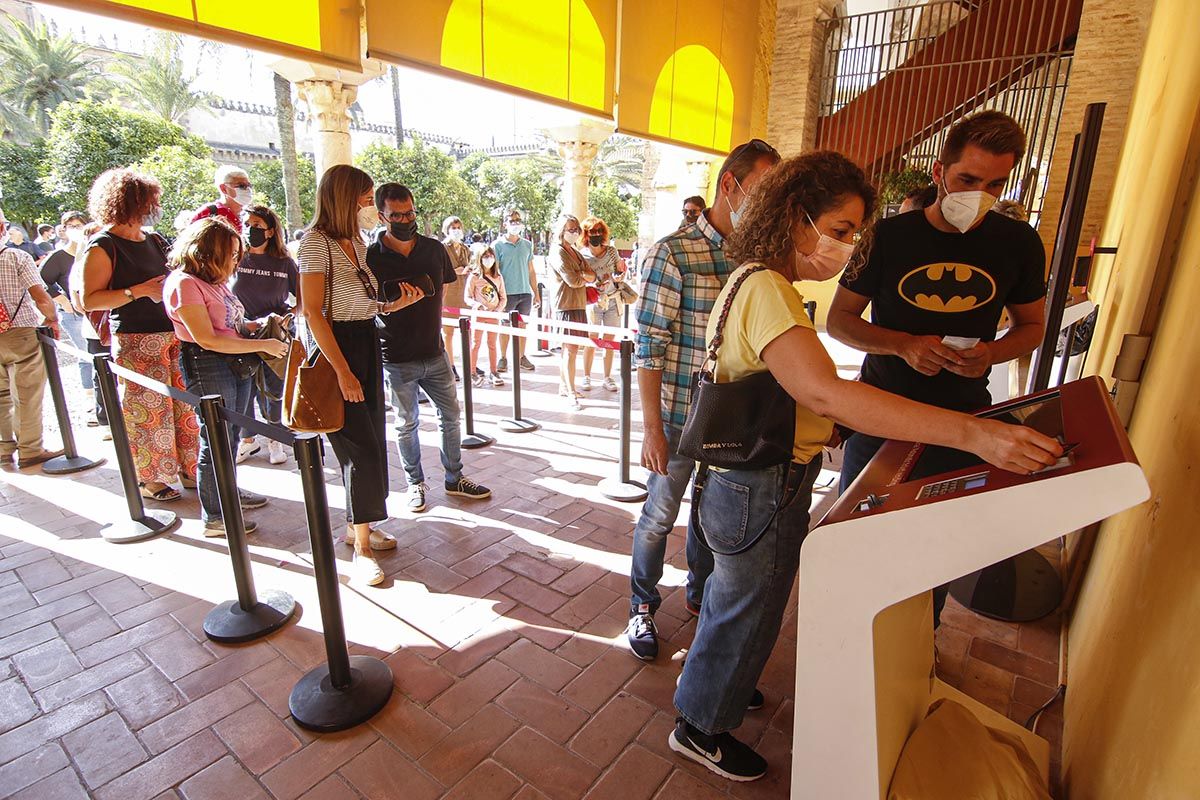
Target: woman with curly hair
123,273
797,224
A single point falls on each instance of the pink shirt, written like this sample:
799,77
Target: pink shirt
224,309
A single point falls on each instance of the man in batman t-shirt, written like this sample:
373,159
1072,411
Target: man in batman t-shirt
946,270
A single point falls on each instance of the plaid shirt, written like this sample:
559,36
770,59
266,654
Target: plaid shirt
681,278
17,274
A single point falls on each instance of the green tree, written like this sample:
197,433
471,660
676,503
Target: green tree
88,137
439,189
39,71
24,200
620,161
267,177
186,180
157,82
618,208
526,183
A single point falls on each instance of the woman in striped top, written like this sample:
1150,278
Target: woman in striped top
340,313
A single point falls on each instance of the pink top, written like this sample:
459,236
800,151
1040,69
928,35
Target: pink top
224,309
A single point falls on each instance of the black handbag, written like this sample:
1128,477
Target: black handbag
744,424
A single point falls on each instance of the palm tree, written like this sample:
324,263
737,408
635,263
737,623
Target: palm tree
157,82
38,71
621,159
285,119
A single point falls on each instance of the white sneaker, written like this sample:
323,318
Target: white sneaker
585,383
416,497
247,449
365,569
275,452
497,380
610,384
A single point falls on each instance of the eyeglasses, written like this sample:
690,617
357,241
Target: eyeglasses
242,185
573,231
691,213
403,216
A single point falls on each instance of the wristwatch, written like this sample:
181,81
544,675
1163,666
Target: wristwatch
129,294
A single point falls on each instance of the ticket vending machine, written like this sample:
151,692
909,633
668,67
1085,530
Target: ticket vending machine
917,517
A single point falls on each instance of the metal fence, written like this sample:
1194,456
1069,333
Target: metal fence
1020,66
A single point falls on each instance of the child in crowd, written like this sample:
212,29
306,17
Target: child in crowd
484,291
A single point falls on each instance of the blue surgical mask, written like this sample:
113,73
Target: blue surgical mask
153,218
735,214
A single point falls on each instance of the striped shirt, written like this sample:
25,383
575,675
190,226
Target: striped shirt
681,278
350,301
17,273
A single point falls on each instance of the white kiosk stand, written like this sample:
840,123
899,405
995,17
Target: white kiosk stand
918,517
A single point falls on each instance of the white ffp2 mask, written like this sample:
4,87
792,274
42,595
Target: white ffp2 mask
964,209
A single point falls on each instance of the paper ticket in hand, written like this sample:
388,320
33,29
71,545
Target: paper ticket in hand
960,342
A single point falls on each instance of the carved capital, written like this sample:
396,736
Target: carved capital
578,157
328,102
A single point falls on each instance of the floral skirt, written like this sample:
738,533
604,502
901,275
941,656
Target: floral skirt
164,434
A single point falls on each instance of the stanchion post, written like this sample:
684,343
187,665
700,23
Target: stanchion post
543,345
346,691
70,461
624,489
142,524
472,440
517,423
250,616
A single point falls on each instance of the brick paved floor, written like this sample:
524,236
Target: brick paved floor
501,620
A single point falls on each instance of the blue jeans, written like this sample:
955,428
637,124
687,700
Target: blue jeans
434,376
72,324
205,372
747,594
664,496
859,451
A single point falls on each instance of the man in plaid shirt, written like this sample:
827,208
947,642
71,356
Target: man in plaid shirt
27,305
681,278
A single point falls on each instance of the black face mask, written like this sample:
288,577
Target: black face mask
256,236
595,240
404,231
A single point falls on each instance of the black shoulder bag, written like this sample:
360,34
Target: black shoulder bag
744,424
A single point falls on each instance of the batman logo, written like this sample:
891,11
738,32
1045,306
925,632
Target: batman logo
948,287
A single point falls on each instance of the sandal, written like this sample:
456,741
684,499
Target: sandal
164,495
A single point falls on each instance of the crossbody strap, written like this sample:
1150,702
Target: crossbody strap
719,333
329,278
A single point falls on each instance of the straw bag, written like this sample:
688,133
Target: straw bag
312,396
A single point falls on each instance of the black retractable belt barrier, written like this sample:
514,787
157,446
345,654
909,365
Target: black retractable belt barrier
473,439
517,423
346,691
250,616
142,524
70,461
623,488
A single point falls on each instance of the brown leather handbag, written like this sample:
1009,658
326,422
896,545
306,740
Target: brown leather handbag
312,396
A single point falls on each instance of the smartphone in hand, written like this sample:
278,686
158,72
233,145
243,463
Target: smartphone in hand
391,288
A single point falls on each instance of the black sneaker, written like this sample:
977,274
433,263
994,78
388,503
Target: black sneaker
720,753
526,364
465,487
502,365
643,636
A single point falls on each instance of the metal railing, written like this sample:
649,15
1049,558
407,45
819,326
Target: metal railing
1015,76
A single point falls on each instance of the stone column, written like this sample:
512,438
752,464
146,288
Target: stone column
327,103
699,176
578,145
795,72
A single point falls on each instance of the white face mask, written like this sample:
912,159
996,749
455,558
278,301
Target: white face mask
964,209
243,197
75,235
736,214
829,258
515,229
456,234
153,218
368,218
487,262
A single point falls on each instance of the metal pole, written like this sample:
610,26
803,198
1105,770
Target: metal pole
472,440
346,691
248,617
142,524
70,461
543,346
517,423
624,489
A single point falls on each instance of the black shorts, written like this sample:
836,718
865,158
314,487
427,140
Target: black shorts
577,315
521,303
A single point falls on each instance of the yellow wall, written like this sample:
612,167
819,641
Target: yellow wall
1133,698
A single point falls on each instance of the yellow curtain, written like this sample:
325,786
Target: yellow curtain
563,51
322,31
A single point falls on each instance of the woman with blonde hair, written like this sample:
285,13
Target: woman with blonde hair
123,273
339,300
484,291
571,277
215,356
609,268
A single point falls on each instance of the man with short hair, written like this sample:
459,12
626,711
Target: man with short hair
17,240
938,279
693,207
26,307
236,195
45,239
413,354
681,278
514,255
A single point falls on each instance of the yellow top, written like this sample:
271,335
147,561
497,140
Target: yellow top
765,308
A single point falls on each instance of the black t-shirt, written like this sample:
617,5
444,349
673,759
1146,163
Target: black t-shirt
264,282
134,263
924,281
56,272
413,333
